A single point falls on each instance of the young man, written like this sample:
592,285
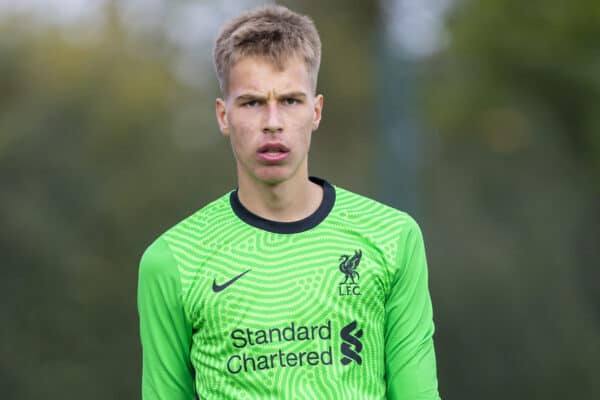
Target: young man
288,287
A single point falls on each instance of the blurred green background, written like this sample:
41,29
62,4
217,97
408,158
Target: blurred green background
480,118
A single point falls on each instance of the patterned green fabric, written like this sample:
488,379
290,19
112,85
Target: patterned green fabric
338,311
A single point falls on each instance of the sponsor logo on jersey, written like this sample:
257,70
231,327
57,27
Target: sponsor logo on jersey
217,288
265,349
252,341
351,344
348,265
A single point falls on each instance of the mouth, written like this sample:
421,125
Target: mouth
273,152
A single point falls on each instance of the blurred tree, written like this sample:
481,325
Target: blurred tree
513,199
518,67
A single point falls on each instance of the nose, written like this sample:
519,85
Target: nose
273,122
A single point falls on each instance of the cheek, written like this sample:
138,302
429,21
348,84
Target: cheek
301,122
241,138
244,122
238,142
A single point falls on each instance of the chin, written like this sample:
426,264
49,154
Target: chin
273,175
271,180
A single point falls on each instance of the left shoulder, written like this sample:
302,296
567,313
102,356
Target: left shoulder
358,207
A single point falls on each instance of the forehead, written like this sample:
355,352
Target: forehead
261,76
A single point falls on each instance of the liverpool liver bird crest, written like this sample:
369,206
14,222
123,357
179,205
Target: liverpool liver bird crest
348,266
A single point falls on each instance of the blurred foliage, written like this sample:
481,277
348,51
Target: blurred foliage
512,202
86,163
102,148
523,69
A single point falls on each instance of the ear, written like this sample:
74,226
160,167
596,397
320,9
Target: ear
221,111
317,111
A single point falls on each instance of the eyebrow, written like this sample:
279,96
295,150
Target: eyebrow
296,95
249,96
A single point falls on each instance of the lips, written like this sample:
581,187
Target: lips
272,152
273,148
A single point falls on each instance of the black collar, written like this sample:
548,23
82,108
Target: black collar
287,227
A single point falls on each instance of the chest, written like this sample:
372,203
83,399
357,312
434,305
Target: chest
267,281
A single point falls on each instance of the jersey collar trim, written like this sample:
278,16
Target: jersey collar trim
287,227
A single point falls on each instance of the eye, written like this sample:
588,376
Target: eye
251,103
290,101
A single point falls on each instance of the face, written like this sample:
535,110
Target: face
269,116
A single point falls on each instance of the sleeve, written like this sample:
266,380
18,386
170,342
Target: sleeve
409,353
165,331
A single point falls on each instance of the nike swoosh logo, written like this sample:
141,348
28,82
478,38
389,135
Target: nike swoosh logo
217,288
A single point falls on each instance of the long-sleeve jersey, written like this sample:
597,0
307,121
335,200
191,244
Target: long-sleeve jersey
335,306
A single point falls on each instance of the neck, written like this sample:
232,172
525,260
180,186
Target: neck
291,200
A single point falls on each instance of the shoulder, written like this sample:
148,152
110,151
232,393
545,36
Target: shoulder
160,252
362,210
215,212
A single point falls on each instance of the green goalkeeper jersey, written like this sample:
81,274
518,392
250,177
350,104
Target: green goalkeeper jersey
334,306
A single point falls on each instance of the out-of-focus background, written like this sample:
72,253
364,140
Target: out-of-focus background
480,118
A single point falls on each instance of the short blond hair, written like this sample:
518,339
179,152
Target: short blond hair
274,32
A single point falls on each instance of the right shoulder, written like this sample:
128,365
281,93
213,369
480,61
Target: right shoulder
160,252
156,257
